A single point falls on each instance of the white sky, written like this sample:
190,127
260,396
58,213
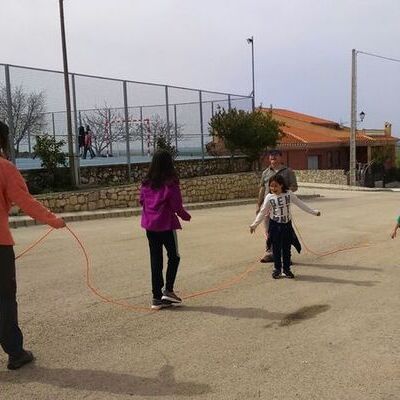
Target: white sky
302,47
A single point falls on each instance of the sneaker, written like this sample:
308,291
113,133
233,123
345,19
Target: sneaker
289,274
267,258
158,304
17,362
171,296
276,274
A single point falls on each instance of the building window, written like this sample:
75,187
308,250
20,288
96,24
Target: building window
329,159
312,162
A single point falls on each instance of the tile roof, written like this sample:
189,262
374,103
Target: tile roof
299,116
303,130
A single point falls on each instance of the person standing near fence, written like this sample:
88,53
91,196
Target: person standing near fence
276,167
81,140
88,143
13,190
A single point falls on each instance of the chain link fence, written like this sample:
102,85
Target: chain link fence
126,118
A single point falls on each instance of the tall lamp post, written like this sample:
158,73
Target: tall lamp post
253,93
71,157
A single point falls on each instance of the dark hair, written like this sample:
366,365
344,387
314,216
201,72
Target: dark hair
81,130
161,170
280,181
4,141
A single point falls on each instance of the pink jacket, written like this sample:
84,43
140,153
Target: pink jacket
161,207
13,190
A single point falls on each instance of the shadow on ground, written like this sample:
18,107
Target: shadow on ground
338,267
108,382
326,279
281,319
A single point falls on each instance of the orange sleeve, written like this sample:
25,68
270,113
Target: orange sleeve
17,192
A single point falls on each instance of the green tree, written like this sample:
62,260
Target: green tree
51,155
250,132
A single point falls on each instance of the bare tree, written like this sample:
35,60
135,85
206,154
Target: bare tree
164,134
27,111
108,126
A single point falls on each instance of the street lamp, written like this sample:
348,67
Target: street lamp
253,93
73,170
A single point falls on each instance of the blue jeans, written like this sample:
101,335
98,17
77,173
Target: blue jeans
11,338
281,241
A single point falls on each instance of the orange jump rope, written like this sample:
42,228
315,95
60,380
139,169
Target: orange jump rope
222,286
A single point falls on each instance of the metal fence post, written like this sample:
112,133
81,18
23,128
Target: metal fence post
128,151
176,129
29,144
77,150
201,124
10,113
212,108
110,147
167,113
53,124
141,129
229,102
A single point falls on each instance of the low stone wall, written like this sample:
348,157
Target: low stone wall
205,188
106,175
198,189
331,176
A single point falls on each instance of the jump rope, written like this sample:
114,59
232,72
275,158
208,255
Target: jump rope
219,287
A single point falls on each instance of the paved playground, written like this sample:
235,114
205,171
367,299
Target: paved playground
332,333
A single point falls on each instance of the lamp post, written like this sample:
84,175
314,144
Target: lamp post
253,93
71,156
352,166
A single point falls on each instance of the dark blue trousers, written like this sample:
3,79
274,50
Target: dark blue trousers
11,338
281,239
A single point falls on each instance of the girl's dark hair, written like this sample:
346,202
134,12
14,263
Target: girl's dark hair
280,181
4,141
161,170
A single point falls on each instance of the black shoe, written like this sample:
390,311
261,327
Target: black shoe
158,304
171,297
17,362
276,274
289,274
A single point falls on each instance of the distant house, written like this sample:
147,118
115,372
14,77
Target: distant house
314,143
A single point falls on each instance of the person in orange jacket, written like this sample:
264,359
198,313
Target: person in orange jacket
13,189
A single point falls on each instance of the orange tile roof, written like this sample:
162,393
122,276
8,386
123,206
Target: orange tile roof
306,130
299,116
307,136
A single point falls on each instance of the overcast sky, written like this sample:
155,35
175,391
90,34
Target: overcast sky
302,47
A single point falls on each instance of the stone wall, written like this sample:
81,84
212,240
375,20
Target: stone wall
331,176
106,175
205,188
197,189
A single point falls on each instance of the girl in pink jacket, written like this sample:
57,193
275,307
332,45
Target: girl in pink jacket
13,190
161,199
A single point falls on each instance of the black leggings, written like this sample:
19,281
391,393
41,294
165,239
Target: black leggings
11,338
157,240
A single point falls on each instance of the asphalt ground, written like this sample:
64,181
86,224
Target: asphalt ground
331,333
